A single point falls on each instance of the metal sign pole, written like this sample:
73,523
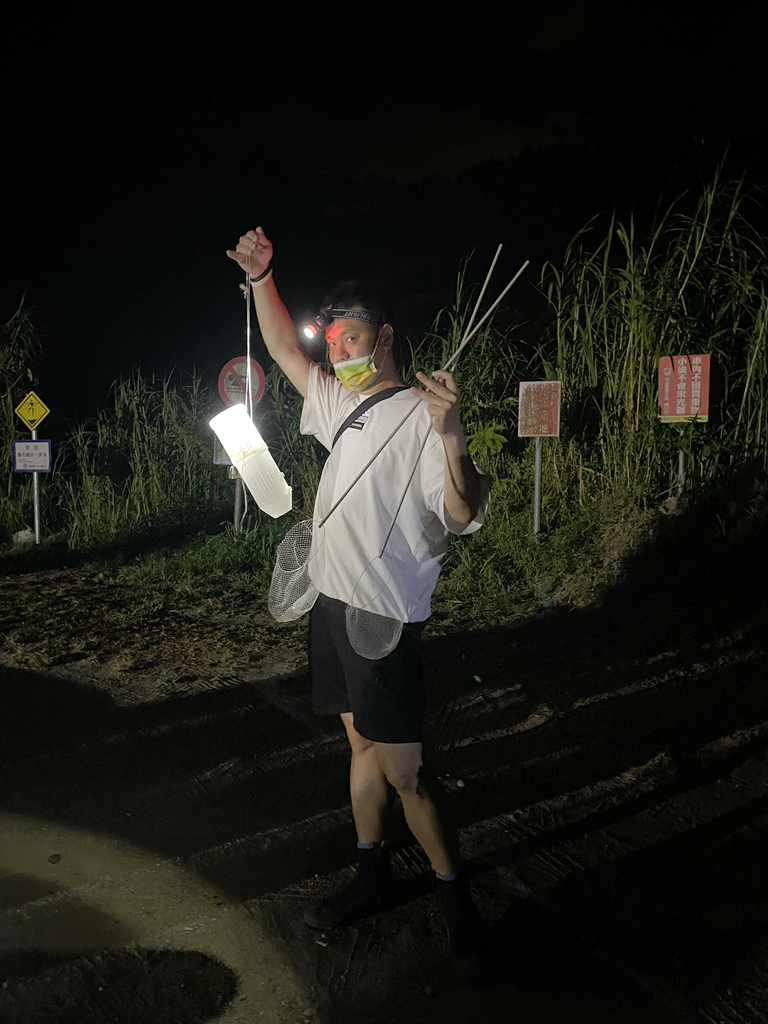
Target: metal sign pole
539,417
238,502
537,489
680,467
36,497
683,398
32,410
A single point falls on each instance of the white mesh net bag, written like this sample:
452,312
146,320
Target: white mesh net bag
372,635
291,592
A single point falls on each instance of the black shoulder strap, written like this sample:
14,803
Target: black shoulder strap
363,407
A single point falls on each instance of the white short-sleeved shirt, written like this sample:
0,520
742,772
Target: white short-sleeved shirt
344,560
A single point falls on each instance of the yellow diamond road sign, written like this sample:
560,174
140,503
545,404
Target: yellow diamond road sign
32,410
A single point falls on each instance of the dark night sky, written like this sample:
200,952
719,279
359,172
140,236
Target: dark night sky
139,153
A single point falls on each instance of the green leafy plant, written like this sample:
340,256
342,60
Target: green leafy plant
486,441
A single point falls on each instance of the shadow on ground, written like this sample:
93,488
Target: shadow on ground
127,986
241,782
539,971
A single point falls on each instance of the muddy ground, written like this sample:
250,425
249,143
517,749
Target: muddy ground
607,767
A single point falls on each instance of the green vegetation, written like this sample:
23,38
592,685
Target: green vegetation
696,284
145,460
148,456
19,346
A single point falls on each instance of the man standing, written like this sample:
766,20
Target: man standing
381,702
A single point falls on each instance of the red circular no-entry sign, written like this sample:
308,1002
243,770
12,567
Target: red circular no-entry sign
232,381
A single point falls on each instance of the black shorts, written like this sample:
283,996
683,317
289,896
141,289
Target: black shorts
386,697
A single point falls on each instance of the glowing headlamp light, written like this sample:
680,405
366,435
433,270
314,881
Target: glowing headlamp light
326,316
314,327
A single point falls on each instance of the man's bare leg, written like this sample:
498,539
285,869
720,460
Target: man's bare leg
401,763
377,770
402,766
370,792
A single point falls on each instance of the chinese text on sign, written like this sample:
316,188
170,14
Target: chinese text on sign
539,409
683,388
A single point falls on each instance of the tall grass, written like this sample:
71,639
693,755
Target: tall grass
697,284
148,454
15,488
145,457
19,346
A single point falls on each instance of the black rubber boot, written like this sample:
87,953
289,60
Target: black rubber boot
368,893
466,934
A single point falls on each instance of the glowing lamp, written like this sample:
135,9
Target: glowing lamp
321,321
250,456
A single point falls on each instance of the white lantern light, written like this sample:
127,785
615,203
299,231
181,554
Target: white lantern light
250,456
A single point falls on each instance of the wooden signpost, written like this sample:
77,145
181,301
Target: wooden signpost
683,396
539,416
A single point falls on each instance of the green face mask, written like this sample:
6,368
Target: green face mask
358,374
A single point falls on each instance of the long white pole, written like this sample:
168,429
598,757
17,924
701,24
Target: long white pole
36,497
480,296
537,489
452,361
429,431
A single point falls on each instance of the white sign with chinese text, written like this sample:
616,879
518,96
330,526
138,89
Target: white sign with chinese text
32,456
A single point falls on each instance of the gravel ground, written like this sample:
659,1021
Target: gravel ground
170,804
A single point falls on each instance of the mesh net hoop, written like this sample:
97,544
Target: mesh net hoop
291,592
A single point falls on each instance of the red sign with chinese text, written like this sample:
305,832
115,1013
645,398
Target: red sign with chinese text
683,388
539,409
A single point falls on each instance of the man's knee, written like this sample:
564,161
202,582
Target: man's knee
401,765
404,782
360,745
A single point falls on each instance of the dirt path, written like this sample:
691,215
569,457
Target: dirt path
608,774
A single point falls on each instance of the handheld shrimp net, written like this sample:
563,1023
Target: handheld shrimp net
371,635
291,592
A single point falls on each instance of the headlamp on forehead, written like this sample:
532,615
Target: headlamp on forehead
327,314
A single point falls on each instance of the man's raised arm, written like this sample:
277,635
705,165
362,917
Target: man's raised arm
253,254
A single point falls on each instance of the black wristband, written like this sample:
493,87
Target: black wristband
255,280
